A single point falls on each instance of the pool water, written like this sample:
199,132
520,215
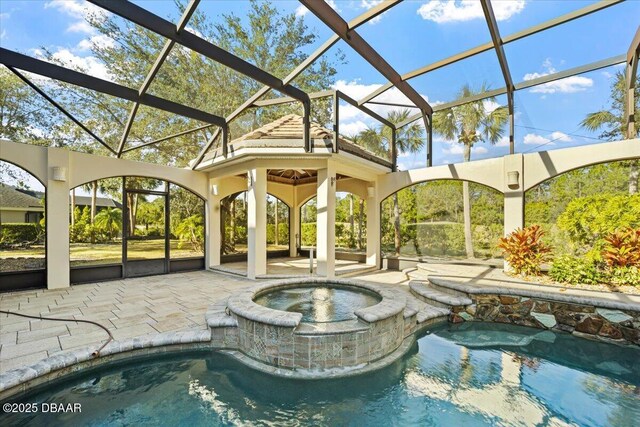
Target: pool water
470,375
320,304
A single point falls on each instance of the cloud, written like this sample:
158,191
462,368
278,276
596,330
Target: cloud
352,128
302,10
368,4
443,11
3,34
560,136
79,11
567,85
454,147
352,120
101,41
4,15
535,139
503,142
88,65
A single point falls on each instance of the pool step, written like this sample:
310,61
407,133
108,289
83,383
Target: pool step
425,291
431,312
423,311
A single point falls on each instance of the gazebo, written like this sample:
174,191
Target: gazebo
272,160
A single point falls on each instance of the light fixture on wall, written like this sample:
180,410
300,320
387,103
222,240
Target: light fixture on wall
333,181
513,179
249,180
371,191
214,189
59,173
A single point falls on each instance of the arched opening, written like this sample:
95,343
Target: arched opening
132,226
578,211
22,229
350,227
233,210
428,221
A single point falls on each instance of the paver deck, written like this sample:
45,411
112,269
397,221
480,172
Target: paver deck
150,306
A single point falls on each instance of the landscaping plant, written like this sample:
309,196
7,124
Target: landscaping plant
524,250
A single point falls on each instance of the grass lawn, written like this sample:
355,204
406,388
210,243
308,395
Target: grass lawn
104,253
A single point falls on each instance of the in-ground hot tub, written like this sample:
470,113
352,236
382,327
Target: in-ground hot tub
320,304
313,328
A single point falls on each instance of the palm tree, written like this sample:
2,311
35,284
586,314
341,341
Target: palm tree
614,124
468,124
110,220
409,139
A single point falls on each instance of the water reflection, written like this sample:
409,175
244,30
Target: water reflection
507,376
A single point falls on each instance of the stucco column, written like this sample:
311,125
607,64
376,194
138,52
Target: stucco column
257,223
214,236
294,224
57,218
326,221
513,194
373,226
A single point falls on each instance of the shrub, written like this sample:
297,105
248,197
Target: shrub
524,249
574,270
622,248
20,233
283,233
191,231
308,237
624,276
588,219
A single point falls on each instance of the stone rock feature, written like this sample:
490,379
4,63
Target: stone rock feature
583,317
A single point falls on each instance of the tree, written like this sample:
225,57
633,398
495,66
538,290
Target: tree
409,139
613,122
109,220
264,36
24,115
469,124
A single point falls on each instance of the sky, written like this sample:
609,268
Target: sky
409,36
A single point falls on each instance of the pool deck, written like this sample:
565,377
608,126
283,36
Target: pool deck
152,306
298,266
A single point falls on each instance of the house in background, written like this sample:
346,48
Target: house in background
101,203
20,206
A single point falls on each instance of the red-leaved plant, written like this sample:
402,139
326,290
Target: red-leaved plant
524,250
622,248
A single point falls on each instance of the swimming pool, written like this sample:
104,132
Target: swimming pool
474,374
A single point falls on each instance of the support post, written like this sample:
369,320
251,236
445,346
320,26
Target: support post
326,221
257,223
512,148
428,127
294,225
394,151
306,121
631,71
513,195
373,227
336,121
225,140
214,226
57,220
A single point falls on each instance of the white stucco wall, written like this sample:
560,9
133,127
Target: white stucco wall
532,168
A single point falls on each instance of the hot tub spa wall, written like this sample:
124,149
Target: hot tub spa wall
579,319
357,343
